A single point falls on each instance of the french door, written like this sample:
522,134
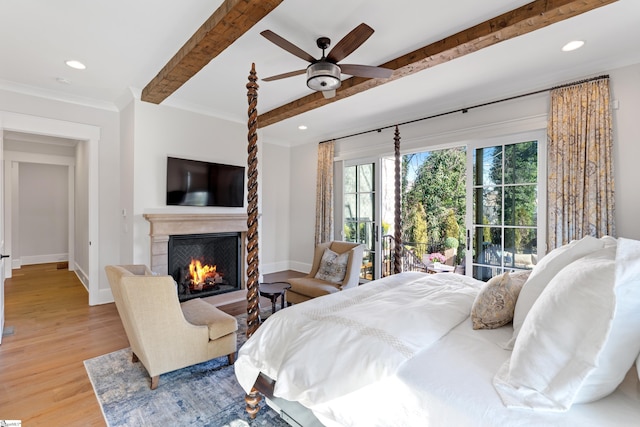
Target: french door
361,181
506,204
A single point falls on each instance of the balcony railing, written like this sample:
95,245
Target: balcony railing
412,253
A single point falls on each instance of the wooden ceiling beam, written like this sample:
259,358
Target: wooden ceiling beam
230,21
528,18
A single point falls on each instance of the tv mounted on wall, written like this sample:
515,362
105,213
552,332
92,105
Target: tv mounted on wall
198,183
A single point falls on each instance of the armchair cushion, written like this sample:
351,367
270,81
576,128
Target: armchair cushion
333,266
198,312
164,335
312,287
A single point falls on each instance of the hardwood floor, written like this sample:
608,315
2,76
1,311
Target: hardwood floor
42,376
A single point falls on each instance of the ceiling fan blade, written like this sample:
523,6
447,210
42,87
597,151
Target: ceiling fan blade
284,75
287,45
350,42
328,94
367,71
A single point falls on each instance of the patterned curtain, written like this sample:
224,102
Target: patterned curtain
324,193
580,185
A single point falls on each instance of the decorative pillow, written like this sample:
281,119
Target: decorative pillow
333,266
494,304
518,279
496,301
544,271
581,336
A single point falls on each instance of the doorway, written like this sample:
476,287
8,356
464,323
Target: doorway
86,206
40,199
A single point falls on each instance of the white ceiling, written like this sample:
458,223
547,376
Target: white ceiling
125,44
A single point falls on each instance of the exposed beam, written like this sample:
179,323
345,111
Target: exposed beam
230,21
523,20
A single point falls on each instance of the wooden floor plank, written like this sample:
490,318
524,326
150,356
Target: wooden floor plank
42,376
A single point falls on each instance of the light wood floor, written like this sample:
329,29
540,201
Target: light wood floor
42,376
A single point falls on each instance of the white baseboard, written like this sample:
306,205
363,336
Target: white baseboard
301,267
275,267
42,259
82,276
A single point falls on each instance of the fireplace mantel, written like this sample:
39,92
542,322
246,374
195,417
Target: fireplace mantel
169,224
164,225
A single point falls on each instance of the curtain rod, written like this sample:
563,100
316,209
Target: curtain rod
466,109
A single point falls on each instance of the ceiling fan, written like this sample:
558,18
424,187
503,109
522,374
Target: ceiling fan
324,74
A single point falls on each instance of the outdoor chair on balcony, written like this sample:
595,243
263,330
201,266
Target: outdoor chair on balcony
336,266
164,334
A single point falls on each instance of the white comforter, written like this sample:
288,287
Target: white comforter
331,346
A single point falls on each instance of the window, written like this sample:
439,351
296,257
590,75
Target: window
505,207
360,223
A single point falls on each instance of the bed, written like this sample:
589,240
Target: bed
403,350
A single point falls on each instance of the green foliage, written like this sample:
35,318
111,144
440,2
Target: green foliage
385,228
451,243
439,187
416,227
451,227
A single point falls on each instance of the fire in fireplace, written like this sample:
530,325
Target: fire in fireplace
205,264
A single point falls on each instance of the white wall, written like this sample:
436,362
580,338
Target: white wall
43,210
127,143
303,166
520,115
274,228
162,131
625,85
82,235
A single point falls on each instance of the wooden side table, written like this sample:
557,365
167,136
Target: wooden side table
273,291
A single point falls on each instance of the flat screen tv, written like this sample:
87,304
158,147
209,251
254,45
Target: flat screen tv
198,183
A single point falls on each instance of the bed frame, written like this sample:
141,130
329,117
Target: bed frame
293,413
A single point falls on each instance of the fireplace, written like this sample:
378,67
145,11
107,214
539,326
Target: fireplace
205,264
163,226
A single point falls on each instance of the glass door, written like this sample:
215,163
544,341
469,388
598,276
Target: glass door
360,216
506,219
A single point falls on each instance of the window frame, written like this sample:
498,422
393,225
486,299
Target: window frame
541,227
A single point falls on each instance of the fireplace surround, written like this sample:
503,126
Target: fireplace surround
205,264
164,225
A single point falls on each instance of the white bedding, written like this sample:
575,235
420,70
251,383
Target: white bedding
374,329
437,371
450,384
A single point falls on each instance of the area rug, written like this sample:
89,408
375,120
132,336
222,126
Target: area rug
206,394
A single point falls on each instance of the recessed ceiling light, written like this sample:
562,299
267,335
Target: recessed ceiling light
302,127
573,45
75,64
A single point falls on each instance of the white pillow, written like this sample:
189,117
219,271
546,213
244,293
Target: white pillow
544,271
561,337
333,266
576,346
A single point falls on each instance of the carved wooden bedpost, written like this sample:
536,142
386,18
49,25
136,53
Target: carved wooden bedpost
253,274
397,224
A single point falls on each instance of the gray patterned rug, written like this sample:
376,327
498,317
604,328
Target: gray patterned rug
206,394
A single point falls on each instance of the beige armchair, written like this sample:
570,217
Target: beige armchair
308,287
164,334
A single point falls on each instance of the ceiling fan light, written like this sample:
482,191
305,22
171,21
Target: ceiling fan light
323,76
